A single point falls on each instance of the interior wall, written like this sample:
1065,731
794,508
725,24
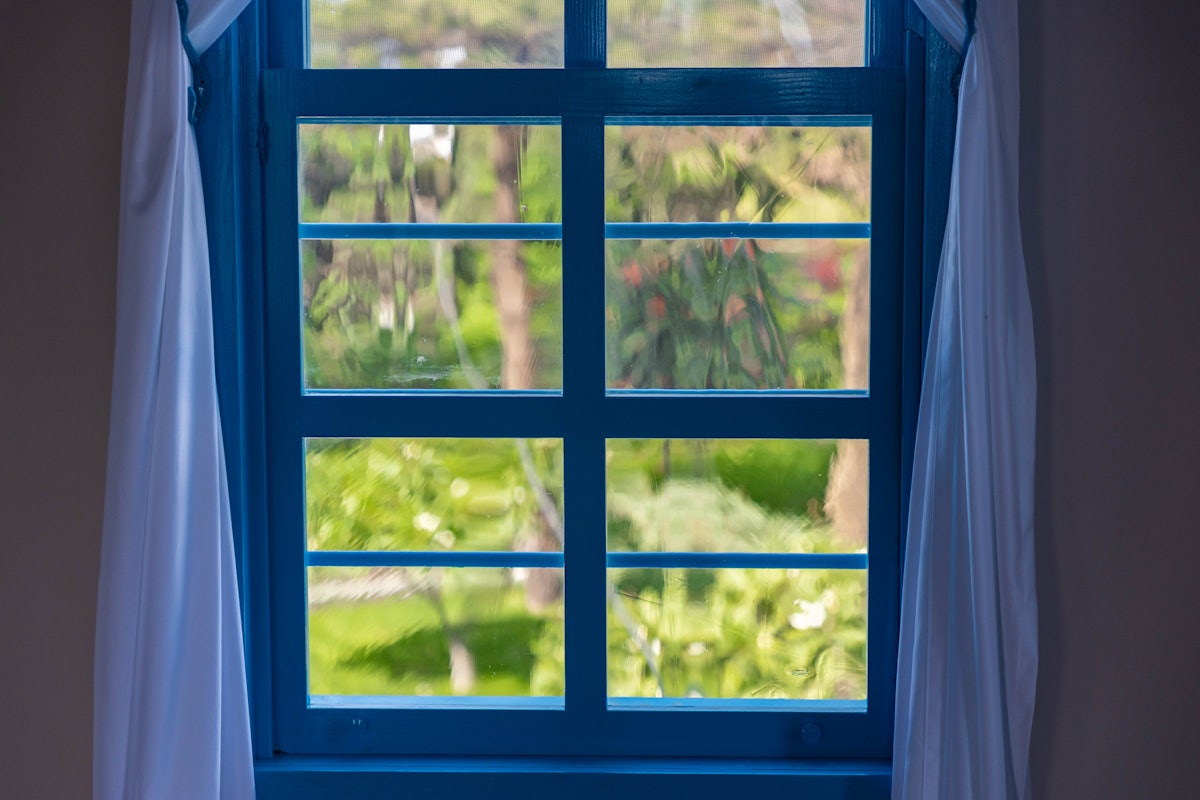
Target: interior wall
1111,214
1112,226
62,89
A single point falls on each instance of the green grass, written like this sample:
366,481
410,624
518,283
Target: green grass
398,646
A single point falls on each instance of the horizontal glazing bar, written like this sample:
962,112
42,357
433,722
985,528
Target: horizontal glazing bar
738,560
732,704
523,231
637,93
656,415
409,558
355,701
737,230
351,701
613,230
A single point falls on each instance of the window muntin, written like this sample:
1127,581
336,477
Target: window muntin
629,725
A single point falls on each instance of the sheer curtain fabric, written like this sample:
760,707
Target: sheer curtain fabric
171,718
968,626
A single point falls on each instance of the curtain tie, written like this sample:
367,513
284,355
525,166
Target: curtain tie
198,91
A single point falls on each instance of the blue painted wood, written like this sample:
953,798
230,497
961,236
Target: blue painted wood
577,779
887,315
885,26
710,704
737,230
526,231
286,39
226,137
586,585
433,558
914,220
584,40
626,416
738,560
584,414
285,534
448,703
375,95
544,231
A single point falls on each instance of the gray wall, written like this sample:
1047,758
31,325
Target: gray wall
1111,166
62,79
1111,213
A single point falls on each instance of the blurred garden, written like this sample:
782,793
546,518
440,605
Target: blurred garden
718,314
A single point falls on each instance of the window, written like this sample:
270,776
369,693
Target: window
559,364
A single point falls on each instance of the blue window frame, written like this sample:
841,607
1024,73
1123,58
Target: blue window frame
268,419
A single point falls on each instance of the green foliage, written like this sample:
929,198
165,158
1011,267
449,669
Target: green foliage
736,633
731,314
423,494
383,314
710,314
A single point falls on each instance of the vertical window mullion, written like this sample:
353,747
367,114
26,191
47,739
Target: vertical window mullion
583,392
285,452
586,27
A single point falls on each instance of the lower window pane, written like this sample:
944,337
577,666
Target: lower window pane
737,495
769,634
484,632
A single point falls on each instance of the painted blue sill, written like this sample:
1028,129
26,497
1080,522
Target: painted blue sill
367,777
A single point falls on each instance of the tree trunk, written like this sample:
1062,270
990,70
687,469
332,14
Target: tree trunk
518,358
509,282
846,492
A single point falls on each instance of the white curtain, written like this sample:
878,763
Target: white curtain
171,718
968,626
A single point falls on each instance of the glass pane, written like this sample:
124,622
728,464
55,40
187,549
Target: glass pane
737,174
736,33
435,632
766,634
737,495
441,34
430,173
738,314
416,314
434,494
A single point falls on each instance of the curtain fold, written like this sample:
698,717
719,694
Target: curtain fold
171,717
968,627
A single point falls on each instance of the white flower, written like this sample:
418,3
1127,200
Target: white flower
812,615
427,522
